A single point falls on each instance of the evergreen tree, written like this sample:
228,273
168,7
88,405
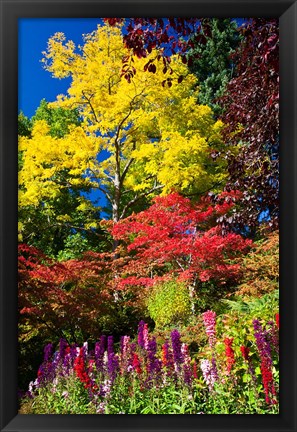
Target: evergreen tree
211,62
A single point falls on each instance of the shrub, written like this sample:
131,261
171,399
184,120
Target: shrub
261,268
169,303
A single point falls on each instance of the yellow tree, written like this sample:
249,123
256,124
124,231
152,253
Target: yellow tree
138,137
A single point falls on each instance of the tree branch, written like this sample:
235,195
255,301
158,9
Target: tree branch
89,102
204,192
138,197
124,173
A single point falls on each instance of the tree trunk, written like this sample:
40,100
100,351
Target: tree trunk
116,206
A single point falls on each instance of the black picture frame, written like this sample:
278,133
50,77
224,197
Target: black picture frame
10,11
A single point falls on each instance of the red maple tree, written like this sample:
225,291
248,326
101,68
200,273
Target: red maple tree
62,299
175,238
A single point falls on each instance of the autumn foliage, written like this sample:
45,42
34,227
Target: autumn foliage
176,238
145,193
51,295
251,116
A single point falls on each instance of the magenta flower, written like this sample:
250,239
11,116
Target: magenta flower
140,338
209,320
187,365
145,336
124,350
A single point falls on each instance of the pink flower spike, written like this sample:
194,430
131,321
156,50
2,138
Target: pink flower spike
209,320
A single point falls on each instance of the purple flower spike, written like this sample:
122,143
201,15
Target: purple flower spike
273,337
99,353
48,350
62,348
262,342
113,361
176,348
187,365
73,354
122,339
140,334
151,350
110,345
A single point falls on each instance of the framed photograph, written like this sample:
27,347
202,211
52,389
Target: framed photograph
148,215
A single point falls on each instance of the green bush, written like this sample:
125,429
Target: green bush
169,304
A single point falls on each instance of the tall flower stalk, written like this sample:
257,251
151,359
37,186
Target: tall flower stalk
176,348
209,373
266,361
209,321
140,366
229,353
99,353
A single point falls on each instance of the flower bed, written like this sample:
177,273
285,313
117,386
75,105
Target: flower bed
146,378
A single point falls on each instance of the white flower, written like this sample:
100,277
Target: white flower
31,386
106,387
101,408
208,372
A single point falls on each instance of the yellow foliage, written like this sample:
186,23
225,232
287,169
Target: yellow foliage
20,229
162,131
45,159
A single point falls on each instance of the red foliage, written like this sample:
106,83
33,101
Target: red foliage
51,294
252,96
252,100
168,35
175,238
